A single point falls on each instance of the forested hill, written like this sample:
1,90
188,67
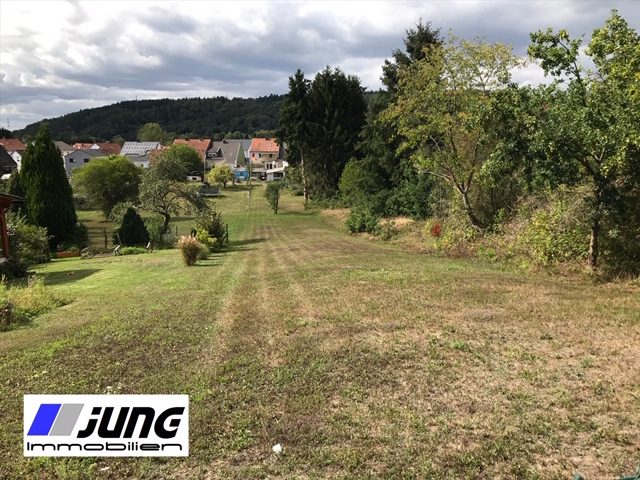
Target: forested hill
185,116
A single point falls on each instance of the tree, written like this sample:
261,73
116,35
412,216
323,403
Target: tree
48,195
221,173
591,126
108,181
14,187
335,116
153,132
132,231
162,193
186,155
416,43
294,128
440,108
272,194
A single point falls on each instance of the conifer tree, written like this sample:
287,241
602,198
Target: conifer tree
132,231
47,192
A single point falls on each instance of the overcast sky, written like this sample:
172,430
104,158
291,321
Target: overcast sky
59,57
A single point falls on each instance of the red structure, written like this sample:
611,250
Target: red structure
5,203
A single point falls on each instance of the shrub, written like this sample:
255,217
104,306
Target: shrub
131,250
361,220
207,240
210,221
28,245
132,231
118,212
81,236
191,249
272,194
20,304
155,225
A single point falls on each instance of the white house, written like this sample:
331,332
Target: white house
138,152
79,158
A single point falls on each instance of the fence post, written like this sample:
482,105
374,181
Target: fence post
106,245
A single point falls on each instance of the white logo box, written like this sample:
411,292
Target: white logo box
106,425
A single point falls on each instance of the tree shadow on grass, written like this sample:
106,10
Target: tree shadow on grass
67,276
241,245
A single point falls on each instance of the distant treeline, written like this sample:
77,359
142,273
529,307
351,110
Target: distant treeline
186,117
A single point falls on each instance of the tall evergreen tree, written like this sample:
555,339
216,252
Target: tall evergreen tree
336,114
14,187
48,194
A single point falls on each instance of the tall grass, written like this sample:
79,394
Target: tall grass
19,304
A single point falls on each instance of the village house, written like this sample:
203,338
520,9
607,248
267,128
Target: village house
230,152
138,152
15,148
267,159
79,158
7,164
108,148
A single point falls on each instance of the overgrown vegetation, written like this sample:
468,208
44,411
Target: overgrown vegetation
20,304
272,194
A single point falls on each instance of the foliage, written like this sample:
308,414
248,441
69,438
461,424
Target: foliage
105,182
320,123
28,245
163,194
14,187
441,106
48,196
211,222
21,304
212,243
221,173
80,236
199,117
361,220
416,43
132,250
154,225
190,249
272,194
152,132
185,155
591,126
132,230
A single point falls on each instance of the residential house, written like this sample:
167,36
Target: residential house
7,164
108,148
246,144
201,146
229,152
64,147
138,152
15,148
267,159
79,158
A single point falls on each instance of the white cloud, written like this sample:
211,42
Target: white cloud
57,57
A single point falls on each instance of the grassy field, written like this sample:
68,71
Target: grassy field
362,359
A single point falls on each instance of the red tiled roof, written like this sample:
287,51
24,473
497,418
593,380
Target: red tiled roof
199,145
82,146
110,148
264,145
12,144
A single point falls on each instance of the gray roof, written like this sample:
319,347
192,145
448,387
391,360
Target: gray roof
87,151
226,150
62,146
138,148
246,144
6,160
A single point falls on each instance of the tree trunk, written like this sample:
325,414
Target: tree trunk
469,211
305,191
594,244
165,223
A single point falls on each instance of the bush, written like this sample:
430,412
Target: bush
118,212
28,245
20,304
210,221
191,250
131,250
207,240
154,225
272,194
81,236
132,231
360,221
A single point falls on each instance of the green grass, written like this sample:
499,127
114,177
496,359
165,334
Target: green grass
362,359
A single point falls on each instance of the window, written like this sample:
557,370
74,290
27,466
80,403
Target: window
86,160
71,160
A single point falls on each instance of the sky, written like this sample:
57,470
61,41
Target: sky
58,57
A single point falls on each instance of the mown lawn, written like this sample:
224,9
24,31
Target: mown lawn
361,359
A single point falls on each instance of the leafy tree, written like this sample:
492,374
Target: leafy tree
221,173
132,230
272,194
186,155
6,133
108,181
48,195
440,109
161,192
591,126
153,132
